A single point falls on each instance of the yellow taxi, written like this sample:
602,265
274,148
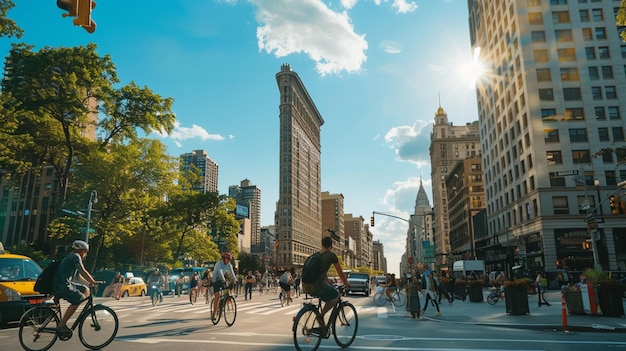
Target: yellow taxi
134,286
17,286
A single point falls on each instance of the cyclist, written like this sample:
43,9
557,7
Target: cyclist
222,272
193,284
65,288
326,292
391,285
156,279
285,281
296,284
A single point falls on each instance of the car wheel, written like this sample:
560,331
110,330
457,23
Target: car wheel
143,293
367,293
125,294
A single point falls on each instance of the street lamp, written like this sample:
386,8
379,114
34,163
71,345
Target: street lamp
93,198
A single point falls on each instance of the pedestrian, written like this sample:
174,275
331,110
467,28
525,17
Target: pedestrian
443,288
114,288
540,284
431,292
413,289
248,288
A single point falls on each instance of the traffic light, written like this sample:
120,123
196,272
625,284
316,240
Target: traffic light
372,221
586,245
81,9
615,205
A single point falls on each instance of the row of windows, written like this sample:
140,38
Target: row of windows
555,157
580,135
573,94
578,113
560,17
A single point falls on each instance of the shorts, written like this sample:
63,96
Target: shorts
74,293
322,290
220,284
285,287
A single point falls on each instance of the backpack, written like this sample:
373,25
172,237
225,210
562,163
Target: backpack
45,281
312,268
285,278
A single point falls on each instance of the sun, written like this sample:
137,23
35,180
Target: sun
475,71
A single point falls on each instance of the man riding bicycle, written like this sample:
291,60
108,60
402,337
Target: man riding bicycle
156,279
319,287
222,272
65,288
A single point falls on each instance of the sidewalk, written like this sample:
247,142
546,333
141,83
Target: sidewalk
544,317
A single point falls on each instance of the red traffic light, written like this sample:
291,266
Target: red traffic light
372,221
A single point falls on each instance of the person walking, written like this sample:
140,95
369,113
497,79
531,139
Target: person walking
248,288
540,284
431,292
413,289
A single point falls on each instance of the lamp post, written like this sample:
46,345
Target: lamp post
93,198
594,243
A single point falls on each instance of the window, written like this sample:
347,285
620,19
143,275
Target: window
618,133
566,54
607,155
597,15
610,177
543,75
577,135
600,33
607,72
565,35
603,134
540,55
554,157
571,94
546,94
590,53
603,52
596,92
551,135
547,113
581,156
558,2
576,113
560,17
610,92
569,74
533,2
600,114
623,50
614,112
560,205
587,34
593,73
584,15
538,36
535,18
556,180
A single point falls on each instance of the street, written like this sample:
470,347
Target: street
262,324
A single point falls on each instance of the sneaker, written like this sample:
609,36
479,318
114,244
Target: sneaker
422,312
438,314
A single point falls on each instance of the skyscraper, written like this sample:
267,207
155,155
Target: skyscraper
249,196
552,132
208,170
299,208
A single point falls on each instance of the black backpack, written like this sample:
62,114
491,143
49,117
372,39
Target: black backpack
312,268
45,281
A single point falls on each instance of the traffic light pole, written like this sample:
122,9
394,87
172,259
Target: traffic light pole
596,234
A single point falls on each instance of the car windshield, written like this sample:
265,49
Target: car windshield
16,269
358,276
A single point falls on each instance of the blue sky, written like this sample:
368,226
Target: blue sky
374,68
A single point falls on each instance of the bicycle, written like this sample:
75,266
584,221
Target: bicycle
97,326
308,333
193,295
398,299
496,293
156,295
226,306
282,298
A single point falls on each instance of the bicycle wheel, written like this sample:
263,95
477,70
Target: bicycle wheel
218,314
155,298
208,298
398,299
230,310
492,299
380,299
306,330
193,296
281,298
38,329
98,328
346,325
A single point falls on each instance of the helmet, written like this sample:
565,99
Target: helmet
80,245
227,255
156,270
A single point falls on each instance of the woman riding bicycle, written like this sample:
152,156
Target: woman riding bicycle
223,271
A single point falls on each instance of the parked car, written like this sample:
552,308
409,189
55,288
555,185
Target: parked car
17,286
134,286
359,283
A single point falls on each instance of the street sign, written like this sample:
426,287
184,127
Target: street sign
411,260
567,173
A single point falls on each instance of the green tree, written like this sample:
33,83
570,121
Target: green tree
247,262
8,27
621,18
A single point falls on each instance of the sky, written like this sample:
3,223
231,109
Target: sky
377,70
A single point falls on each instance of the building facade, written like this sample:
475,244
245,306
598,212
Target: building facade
248,197
332,221
419,233
298,216
208,170
551,115
448,145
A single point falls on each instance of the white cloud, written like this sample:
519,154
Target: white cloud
183,133
310,27
403,6
411,143
390,47
348,4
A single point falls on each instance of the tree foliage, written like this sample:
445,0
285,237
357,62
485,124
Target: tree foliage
621,18
8,27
